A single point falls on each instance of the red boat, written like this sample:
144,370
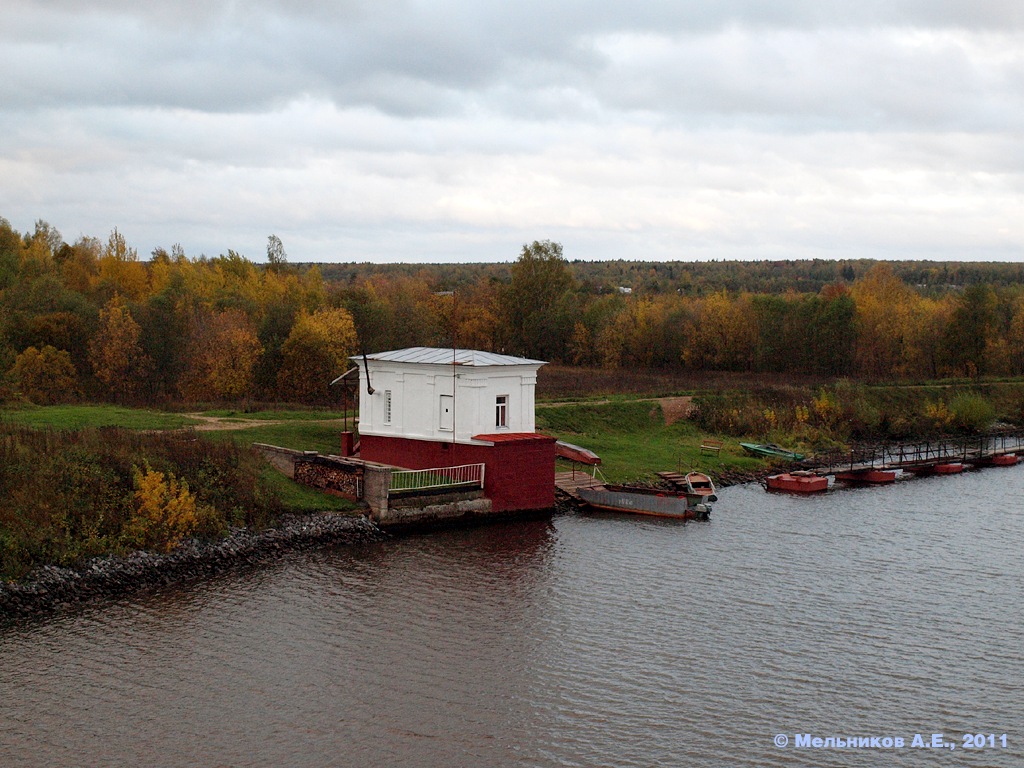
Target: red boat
1004,460
871,476
796,482
575,453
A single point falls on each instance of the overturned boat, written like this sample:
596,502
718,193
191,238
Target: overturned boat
771,451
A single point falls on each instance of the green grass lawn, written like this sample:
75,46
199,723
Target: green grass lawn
276,415
298,435
630,436
301,432
634,442
298,498
82,416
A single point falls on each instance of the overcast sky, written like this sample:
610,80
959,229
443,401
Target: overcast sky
457,130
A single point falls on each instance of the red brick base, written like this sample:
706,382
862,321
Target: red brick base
519,474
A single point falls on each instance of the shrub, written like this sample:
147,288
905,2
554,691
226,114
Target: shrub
71,494
972,412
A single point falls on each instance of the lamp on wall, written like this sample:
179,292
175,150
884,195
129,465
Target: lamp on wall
366,367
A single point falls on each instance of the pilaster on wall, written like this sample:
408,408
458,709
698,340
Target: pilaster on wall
376,481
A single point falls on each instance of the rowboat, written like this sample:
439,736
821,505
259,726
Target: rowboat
575,453
699,484
646,501
771,450
796,482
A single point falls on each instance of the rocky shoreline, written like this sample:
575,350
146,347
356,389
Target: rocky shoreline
52,587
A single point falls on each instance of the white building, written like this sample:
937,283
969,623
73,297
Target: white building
445,395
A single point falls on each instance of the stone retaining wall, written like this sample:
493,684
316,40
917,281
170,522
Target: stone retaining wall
52,587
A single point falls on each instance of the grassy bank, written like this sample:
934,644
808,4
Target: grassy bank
634,442
73,494
86,480
80,481
83,416
839,414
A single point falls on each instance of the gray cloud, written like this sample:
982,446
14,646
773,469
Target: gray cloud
359,129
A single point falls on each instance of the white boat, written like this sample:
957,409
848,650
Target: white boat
699,484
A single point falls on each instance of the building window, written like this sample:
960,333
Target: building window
387,406
501,411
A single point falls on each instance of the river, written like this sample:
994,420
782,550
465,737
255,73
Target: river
586,640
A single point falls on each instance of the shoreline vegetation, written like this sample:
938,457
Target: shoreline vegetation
93,506
817,355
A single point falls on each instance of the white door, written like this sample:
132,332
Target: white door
447,423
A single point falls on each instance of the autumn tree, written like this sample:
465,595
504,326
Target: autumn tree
971,331
222,354
537,303
46,376
315,353
116,354
10,253
120,271
725,334
277,259
884,308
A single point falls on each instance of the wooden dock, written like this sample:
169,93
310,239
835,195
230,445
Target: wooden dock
922,457
677,479
570,482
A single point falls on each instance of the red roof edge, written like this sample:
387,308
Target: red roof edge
515,437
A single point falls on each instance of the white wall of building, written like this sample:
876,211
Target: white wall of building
415,392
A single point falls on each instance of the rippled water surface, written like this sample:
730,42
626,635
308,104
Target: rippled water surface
581,641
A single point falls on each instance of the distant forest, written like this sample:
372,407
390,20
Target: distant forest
91,320
699,278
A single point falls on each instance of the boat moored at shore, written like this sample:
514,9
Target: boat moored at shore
771,451
796,482
646,501
700,484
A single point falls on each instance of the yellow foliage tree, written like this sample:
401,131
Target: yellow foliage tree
120,271
885,306
222,356
724,336
46,376
116,354
315,352
165,511
580,344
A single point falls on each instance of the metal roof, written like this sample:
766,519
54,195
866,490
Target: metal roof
442,356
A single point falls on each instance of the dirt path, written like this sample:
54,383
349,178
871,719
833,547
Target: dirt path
674,408
222,423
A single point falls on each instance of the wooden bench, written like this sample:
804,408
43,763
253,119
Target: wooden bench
711,445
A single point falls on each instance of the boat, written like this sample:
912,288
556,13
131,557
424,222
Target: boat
1004,460
699,484
575,453
646,501
928,468
867,476
772,451
796,482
